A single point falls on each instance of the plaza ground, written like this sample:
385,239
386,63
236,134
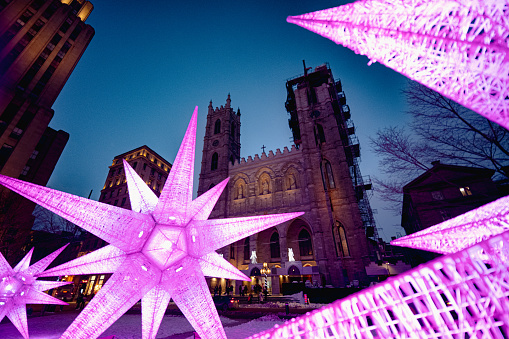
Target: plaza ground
238,323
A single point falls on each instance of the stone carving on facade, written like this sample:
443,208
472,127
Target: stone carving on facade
292,182
253,257
290,254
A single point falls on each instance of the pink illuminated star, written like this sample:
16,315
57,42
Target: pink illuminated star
463,231
161,249
458,48
18,287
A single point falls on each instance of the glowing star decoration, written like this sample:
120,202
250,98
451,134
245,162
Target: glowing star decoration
18,287
463,231
459,48
162,248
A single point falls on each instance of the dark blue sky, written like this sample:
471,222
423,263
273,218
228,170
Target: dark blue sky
151,63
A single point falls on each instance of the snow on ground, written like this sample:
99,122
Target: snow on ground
129,327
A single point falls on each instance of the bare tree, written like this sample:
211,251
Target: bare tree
441,130
48,221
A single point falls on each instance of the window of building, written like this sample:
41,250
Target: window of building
327,177
34,154
341,241
215,158
233,130
159,176
437,195
320,137
247,254
123,202
275,250
144,166
465,191
232,251
16,133
103,196
305,246
111,194
25,170
152,171
134,164
65,26
115,203
5,153
217,127
76,32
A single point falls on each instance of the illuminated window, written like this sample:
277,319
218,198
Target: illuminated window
327,177
275,251
465,191
305,247
217,127
341,241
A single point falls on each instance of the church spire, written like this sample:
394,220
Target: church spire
228,101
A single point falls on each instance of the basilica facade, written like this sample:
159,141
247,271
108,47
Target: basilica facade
319,175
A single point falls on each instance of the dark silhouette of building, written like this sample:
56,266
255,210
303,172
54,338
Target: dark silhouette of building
441,193
40,44
319,176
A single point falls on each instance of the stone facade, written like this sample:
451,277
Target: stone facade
329,242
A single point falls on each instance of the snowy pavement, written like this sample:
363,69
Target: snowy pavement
129,327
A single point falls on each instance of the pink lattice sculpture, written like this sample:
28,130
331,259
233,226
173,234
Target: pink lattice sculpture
163,248
18,287
455,296
463,231
459,48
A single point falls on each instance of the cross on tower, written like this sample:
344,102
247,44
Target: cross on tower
263,148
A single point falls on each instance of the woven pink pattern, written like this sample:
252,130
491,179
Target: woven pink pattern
450,297
459,48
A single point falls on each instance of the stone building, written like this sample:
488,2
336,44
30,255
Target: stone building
318,175
153,169
41,42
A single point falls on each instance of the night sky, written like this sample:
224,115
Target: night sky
150,63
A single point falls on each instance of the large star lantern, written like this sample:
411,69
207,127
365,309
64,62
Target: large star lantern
18,287
161,249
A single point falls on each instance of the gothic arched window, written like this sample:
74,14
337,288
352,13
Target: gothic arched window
275,251
213,165
217,127
305,247
247,254
341,242
327,176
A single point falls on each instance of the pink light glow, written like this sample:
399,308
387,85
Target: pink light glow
463,231
449,297
164,247
19,287
459,48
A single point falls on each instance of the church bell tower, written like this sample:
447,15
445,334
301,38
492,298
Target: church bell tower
221,148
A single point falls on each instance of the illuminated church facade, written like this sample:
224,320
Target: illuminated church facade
319,175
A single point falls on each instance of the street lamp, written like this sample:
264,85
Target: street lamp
265,270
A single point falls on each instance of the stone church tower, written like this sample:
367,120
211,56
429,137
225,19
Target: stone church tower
328,245
221,148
